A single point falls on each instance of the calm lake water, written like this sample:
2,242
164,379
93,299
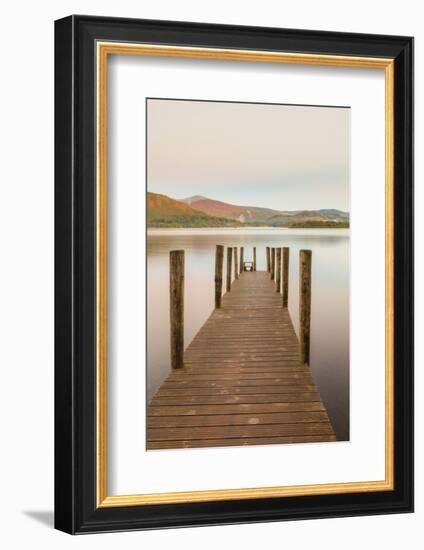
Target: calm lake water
330,299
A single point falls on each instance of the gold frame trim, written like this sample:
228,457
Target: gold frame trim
119,48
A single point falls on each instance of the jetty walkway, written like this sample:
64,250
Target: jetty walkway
243,380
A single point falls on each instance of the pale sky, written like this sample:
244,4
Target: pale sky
283,157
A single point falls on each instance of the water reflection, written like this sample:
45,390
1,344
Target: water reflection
330,299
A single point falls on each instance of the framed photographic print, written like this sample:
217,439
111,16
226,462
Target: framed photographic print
234,274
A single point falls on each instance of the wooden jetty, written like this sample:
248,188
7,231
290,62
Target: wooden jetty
245,379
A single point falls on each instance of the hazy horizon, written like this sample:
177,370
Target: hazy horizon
282,157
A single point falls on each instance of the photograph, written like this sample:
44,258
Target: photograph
248,273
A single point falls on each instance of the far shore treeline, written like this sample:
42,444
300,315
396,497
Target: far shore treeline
198,211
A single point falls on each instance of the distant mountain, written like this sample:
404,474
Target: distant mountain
194,198
333,211
198,211
162,211
301,216
243,214
266,216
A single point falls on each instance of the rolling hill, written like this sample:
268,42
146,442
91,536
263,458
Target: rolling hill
309,217
198,211
162,211
243,214
266,216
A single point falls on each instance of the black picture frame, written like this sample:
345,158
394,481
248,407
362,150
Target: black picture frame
75,275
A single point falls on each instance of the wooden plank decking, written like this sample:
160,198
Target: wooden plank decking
242,381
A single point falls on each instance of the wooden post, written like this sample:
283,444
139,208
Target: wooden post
305,259
254,258
272,263
241,259
219,264
229,267
236,272
278,270
268,259
176,293
285,276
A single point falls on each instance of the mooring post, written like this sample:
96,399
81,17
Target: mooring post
229,267
305,259
272,264
176,293
236,272
268,260
278,270
219,264
254,258
285,276
241,259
